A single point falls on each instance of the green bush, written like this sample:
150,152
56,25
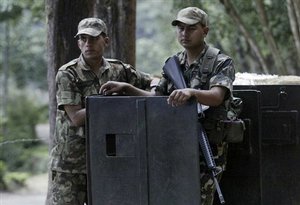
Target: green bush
15,180
3,186
24,112
36,159
22,153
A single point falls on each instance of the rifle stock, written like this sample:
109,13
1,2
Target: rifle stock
173,71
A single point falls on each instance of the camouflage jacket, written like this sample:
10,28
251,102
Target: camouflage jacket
199,76
75,81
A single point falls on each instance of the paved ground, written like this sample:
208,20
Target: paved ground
22,199
33,194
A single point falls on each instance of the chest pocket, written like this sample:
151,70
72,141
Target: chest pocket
84,86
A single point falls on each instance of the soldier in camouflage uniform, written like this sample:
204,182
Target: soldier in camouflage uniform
76,80
210,85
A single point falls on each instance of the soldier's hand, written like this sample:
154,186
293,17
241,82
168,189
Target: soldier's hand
113,87
180,97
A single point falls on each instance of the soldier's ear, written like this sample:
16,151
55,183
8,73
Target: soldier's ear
107,41
206,29
78,44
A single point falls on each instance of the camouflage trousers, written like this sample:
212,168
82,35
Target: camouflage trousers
68,189
207,184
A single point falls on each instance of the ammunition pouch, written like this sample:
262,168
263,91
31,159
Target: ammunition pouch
231,131
224,126
234,127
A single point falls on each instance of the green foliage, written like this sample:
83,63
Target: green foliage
23,36
20,148
156,39
15,180
24,113
11,9
179,4
18,163
3,170
36,158
279,24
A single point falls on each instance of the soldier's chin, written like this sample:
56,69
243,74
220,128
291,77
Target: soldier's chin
185,44
89,52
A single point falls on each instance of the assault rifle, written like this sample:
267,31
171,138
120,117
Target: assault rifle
173,71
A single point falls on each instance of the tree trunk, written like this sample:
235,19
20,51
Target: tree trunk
120,18
281,69
294,17
230,9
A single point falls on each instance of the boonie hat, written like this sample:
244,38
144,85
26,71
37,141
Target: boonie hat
191,16
91,26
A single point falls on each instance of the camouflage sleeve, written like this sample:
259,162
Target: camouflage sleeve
67,92
224,73
137,78
162,87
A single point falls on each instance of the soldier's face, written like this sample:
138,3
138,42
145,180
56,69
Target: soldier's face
92,47
191,36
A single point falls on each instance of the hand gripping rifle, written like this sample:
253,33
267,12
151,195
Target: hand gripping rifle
173,71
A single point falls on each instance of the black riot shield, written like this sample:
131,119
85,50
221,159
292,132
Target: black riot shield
142,151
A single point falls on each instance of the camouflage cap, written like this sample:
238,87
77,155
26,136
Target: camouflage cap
191,16
91,26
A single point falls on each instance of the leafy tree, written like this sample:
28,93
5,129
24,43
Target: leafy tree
293,7
155,36
22,35
23,114
24,42
252,32
266,33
